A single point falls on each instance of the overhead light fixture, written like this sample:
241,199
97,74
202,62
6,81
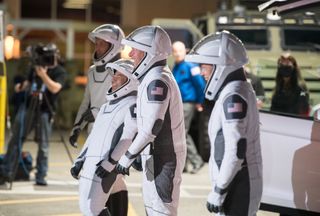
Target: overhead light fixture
273,15
310,13
289,21
239,20
76,4
222,19
257,20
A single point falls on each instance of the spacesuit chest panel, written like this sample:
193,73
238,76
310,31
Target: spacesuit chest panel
107,125
110,108
100,77
98,89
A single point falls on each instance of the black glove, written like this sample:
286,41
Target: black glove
101,172
74,137
88,116
76,168
212,208
122,170
137,164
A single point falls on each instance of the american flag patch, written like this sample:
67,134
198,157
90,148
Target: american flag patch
234,107
157,91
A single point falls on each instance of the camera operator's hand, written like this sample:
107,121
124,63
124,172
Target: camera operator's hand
88,115
19,87
41,71
53,86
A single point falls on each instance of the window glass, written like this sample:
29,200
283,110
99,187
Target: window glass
253,39
301,39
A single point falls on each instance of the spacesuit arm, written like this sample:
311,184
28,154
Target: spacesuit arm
85,103
153,107
234,126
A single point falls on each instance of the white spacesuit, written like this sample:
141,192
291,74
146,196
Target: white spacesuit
99,79
161,134
113,130
235,158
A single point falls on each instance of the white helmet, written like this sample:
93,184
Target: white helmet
112,34
225,52
152,40
125,67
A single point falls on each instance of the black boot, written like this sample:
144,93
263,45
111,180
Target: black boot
105,212
118,203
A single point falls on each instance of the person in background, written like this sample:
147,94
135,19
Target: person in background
45,81
290,94
191,85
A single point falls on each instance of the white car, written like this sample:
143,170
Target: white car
291,164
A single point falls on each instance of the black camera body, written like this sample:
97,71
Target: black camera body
43,55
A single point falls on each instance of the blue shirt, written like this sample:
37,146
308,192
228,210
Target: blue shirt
190,82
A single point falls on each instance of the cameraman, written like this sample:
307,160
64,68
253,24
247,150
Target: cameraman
45,80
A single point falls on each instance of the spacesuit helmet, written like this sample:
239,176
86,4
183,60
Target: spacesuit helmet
154,41
125,67
112,34
225,52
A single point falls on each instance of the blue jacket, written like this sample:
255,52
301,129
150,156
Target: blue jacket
191,83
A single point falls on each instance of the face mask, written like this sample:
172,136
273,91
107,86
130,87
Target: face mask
285,70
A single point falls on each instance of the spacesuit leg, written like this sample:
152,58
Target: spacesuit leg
105,212
118,199
118,203
92,197
161,191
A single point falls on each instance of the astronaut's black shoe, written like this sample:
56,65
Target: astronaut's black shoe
196,168
2,180
41,182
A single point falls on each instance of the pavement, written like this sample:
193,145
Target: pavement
60,197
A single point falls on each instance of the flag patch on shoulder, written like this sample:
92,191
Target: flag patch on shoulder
235,107
157,90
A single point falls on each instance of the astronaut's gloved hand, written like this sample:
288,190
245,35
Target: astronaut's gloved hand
104,168
137,164
76,167
215,201
124,164
88,115
74,136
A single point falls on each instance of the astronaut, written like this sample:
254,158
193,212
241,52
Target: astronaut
161,134
235,158
107,39
112,132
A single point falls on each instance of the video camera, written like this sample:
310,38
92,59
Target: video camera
43,55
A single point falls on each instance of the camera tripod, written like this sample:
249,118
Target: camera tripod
29,117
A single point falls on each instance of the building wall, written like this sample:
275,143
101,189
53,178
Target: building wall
135,13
